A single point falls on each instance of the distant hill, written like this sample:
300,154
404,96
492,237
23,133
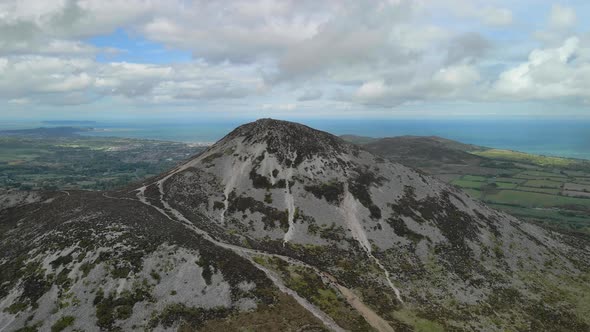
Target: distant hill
69,123
420,151
359,139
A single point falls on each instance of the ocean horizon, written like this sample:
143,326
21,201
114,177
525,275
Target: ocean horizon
563,138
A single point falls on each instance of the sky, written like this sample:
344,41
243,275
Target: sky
181,59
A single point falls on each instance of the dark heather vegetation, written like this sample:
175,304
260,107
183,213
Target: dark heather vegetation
113,237
333,191
309,285
359,187
548,190
270,215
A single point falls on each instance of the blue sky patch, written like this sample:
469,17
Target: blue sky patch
136,49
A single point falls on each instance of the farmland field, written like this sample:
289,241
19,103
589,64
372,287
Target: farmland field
77,162
551,194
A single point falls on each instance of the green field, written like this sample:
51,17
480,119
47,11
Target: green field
509,180
535,200
543,183
552,191
540,174
94,163
468,184
509,155
536,191
553,217
504,185
474,178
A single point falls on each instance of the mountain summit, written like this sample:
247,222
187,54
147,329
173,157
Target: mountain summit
286,139
280,220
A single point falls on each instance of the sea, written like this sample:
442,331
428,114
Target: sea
551,137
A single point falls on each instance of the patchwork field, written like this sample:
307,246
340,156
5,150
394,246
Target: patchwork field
553,195
77,162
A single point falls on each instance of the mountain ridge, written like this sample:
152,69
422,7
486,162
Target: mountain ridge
355,242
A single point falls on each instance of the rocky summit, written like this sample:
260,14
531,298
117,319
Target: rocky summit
280,227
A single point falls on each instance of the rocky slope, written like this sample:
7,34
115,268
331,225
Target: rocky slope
282,227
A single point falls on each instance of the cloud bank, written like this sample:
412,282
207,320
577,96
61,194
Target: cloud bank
289,56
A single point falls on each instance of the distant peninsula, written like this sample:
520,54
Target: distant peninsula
69,122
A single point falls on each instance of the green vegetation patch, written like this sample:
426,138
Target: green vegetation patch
190,317
555,292
401,229
468,183
565,219
550,191
270,214
538,200
542,184
477,194
110,308
16,307
508,180
332,191
474,178
359,186
309,285
210,158
62,323
283,315
504,185
93,163
524,157
419,324
543,174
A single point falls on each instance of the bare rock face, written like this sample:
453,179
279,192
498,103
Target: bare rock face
288,216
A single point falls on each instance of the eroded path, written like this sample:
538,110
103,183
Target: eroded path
244,252
370,316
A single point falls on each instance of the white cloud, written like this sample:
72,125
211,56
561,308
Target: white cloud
279,107
371,90
456,81
457,76
483,10
548,74
562,17
310,94
25,75
79,80
58,27
496,16
19,101
381,52
239,31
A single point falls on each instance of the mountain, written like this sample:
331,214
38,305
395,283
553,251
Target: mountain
548,190
282,227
